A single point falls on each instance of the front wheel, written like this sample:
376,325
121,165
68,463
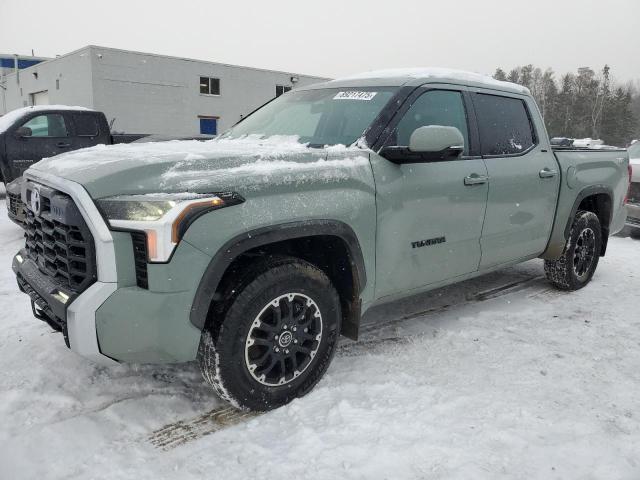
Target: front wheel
277,337
578,262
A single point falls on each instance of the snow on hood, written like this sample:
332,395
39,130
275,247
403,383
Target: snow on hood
441,73
196,166
175,151
10,118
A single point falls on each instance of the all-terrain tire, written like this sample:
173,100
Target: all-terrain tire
634,233
579,260
248,308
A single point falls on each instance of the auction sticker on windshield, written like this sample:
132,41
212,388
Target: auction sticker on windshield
355,96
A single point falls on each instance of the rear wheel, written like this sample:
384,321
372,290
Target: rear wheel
278,335
635,233
575,268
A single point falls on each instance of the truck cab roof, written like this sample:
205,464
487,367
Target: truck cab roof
419,76
10,118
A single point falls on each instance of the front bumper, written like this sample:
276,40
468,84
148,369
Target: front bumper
48,302
114,319
73,315
633,215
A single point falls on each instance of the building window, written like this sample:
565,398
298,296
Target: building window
209,86
208,125
280,89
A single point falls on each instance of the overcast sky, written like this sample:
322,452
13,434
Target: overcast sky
333,38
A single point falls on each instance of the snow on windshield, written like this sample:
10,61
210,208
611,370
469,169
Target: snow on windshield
325,116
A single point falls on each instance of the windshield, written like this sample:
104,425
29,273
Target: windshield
328,116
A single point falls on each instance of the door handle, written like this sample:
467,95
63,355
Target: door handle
63,145
547,173
475,179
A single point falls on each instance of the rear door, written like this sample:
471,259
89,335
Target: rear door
87,130
523,178
49,136
429,217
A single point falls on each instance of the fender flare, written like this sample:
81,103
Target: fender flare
584,193
263,236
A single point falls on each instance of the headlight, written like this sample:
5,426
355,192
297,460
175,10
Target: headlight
163,217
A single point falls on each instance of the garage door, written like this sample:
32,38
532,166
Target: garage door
40,98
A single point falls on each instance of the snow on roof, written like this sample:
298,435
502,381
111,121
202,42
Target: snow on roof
10,118
438,73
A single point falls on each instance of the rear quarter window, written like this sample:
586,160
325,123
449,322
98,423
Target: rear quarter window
504,125
86,125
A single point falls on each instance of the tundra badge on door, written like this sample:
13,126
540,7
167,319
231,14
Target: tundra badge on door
428,242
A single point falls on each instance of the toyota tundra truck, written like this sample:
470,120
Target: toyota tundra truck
254,252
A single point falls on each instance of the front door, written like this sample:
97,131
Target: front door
523,179
46,135
429,218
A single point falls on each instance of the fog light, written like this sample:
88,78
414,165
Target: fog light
61,296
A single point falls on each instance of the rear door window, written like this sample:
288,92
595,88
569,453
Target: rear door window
504,125
51,125
86,125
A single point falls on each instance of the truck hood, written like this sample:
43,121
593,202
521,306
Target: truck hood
240,165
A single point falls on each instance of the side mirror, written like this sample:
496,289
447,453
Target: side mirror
23,132
428,144
437,139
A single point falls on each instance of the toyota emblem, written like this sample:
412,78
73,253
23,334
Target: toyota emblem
35,201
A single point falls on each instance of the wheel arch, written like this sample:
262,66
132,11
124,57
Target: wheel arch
599,200
273,239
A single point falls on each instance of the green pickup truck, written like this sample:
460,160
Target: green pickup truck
254,252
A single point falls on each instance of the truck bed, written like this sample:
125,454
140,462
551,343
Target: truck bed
584,172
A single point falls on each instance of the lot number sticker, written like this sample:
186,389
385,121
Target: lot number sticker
366,96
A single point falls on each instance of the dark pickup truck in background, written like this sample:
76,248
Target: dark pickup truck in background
27,135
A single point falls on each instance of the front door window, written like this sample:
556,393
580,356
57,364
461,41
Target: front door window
51,125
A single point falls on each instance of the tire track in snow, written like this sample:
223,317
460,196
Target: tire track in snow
185,431
489,294
180,432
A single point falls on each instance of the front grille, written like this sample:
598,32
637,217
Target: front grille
634,193
58,239
140,257
14,204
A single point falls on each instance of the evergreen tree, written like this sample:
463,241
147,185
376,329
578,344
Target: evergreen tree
500,75
582,104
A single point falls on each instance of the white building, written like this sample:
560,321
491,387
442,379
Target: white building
148,93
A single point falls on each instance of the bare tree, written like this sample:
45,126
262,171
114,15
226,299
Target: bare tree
602,95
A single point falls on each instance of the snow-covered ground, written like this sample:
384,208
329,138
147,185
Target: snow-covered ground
500,377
